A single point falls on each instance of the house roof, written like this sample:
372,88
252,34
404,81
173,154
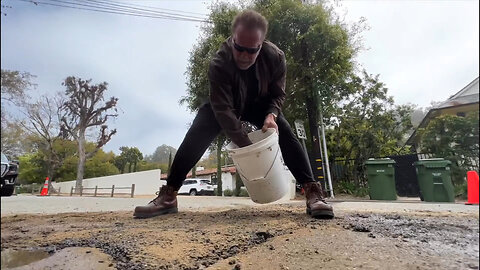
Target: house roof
230,169
469,89
466,96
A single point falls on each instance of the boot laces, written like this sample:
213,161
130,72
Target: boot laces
317,192
159,193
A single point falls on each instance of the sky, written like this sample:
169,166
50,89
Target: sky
423,51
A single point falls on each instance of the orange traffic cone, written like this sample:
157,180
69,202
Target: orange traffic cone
472,186
45,188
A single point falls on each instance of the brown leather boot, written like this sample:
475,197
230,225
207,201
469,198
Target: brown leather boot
317,207
165,203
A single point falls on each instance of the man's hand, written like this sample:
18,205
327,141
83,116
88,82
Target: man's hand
269,123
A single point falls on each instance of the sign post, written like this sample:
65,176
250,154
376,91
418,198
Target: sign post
326,156
301,134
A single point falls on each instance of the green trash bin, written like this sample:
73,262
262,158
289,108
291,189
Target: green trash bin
435,180
381,179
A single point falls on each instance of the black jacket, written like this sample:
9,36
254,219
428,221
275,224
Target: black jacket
228,91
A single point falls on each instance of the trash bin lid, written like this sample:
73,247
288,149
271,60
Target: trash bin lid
377,161
433,163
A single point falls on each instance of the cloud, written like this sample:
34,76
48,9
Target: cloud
143,60
423,50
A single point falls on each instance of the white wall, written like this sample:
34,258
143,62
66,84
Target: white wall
146,182
228,181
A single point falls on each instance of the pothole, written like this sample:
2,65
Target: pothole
118,253
260,237
16,258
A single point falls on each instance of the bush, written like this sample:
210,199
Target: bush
243,193
361,192
28,188
461,190
344,187
227,192
454,138
23,189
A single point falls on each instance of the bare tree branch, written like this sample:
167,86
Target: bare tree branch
84,110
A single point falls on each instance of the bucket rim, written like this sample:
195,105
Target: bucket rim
254,146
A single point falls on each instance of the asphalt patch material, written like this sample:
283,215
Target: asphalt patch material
274,237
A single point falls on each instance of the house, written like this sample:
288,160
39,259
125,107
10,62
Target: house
462,103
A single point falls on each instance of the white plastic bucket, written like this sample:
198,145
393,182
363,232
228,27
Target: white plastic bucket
260,166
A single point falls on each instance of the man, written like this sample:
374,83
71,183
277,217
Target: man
247,83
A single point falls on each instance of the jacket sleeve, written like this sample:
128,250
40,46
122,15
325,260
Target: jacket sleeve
277,87
221,99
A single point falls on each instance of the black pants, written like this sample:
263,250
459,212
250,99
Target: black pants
205,129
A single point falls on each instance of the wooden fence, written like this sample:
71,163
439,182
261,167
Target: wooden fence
31,188
97,191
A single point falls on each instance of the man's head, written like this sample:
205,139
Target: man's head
248,32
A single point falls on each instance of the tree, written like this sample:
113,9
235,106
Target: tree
13,139
161,154
210,161
15,86
121,161
417,116
101,164
130,156
454,138
133,157
238,184
85,111
30,171
144,165
43,121
319,49
368,124
66,151
213,35
34,166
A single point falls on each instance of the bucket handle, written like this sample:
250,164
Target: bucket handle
271,166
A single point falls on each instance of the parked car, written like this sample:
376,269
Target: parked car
193,186
9,174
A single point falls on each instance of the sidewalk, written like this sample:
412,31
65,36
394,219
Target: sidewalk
32,204
28,204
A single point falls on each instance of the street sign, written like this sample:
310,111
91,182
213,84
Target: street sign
300,129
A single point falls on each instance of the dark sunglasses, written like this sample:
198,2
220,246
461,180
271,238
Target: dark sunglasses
246,49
